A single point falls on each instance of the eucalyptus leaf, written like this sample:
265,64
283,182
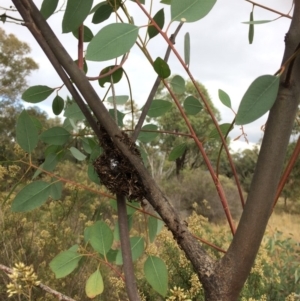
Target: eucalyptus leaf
112,41
102,13
118,99
178,84
251,29
100,236
137,249
161,68
57,105
115,77
120,116
177,151
56,190
187,49
56,136
225,127
48,8
73,112
190,10
258,99
159,107
75,13
77,154
31,196
156,274
159,18
146,137
94,285
225,99
65,262
37,94
87,34
192,105
26,132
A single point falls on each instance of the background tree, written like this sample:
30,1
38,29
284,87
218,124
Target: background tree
15,66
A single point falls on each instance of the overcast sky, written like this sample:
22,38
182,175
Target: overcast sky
221,57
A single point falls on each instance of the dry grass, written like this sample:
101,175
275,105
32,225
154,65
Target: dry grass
288,224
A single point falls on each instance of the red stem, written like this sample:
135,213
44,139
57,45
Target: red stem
80,46
287,171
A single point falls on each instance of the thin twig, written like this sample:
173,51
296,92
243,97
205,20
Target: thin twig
147,105
270,9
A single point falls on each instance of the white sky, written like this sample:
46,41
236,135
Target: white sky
221,57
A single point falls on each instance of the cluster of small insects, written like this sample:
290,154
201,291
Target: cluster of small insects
116,173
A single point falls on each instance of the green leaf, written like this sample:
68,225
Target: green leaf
159,107
146,137
100,236
31,196
75,14
258,22
77,154
137,249
159,18
187,49
73,112
56,190
48,8
177,151
94,285
65,262
26,132
258,99
178,84
115,77
120,116
112,41
214,134
225,99
192,105
190,10
50,162
37,94
168,2
154,227
55,149
156,274
87,34
251,29
57,105
142,1
88,144
120,99
102,13
85,66
56,136
117,230
161,68
93,176
96,152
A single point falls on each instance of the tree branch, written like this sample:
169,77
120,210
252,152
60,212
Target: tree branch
240,256
201,261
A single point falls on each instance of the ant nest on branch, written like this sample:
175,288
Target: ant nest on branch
116,173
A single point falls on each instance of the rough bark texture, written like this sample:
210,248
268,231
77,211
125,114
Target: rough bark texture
222,280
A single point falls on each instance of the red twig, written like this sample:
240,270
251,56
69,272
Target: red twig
287,171
270,9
